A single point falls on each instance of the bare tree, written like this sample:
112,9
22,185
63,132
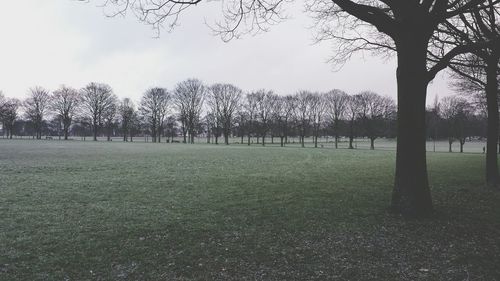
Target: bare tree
251,109
36,106
283,111
127,113
170,128
188,97
374,110
352,113
317,110
154,107
288,114
64,104
2,103
224,99
479,70
9,108
109,118
264,103
303,113
406,29
241,121
97,100
456,112
212,127
336,109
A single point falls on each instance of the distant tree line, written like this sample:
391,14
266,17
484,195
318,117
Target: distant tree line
221,111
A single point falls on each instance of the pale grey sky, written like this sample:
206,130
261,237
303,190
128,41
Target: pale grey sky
54,42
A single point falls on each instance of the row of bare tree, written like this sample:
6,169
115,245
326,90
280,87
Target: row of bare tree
224,110
195,108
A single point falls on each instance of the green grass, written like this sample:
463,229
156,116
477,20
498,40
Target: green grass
141,211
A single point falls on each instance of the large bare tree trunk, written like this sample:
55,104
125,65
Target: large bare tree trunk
226,136
411,195
492,133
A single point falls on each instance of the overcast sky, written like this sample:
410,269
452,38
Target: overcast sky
54,42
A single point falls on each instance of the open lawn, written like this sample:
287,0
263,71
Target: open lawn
141,211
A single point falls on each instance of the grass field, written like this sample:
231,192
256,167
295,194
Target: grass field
141,211
475,146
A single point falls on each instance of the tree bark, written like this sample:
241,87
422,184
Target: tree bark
411,194
492,133
372,143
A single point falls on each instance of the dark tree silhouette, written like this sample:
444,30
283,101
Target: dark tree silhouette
264,106
374,111
224,99
282,115
353,107
127,113
317,112
36,106
456,112
336,110
251,109
153,108
303,113
97,100
9,108
64,104
109,118
188,97
481,69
